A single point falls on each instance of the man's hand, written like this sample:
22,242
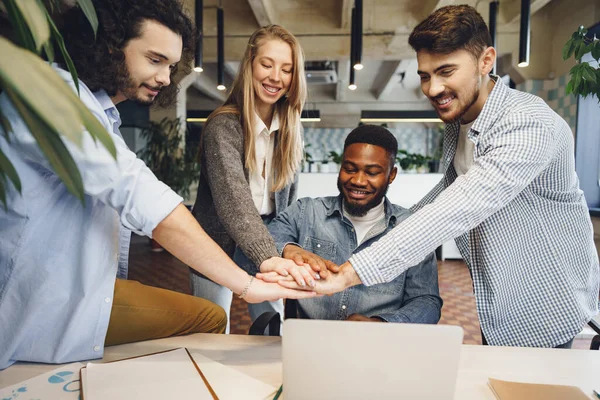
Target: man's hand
332,284
260,291
301,257
360,317
276,267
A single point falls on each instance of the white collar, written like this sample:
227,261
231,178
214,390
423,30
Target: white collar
260,126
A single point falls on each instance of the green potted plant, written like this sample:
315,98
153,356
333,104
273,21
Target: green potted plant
336,158
172,163
308,160
585,78
406,161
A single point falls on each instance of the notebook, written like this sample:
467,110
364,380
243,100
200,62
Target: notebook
364,360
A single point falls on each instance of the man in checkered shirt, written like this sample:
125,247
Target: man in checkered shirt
510,196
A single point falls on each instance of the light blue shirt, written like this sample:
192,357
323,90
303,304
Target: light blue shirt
59,258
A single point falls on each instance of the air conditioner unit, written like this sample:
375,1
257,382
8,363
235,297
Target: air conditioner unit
321,77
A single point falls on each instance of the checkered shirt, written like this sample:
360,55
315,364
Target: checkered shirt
520,222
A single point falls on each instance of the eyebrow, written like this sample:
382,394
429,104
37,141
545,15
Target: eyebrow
437,69
368,166
159,55
273,61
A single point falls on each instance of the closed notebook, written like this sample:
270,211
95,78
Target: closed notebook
506,390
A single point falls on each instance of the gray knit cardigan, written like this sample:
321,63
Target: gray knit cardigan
224,205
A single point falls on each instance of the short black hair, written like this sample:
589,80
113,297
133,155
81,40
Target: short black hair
452,28
375,135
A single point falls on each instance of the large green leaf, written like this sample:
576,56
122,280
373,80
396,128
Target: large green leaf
5,125
588,73
568,49
51,145
596,50
34,14
35,82
90,12
8,170
21,30
63,50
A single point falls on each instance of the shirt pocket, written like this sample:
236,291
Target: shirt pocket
323,248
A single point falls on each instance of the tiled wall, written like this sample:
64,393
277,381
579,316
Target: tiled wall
553,91
413,138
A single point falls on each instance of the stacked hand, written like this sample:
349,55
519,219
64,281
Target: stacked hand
302,274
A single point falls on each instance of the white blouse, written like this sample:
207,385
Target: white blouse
261,179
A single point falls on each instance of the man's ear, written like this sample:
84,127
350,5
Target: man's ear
487,60
392,175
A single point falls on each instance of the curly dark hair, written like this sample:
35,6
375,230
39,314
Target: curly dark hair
100,61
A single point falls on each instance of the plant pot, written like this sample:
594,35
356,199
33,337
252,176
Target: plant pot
155,246
434,165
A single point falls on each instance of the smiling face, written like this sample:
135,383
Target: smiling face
453,82
272,70
366,173
149,60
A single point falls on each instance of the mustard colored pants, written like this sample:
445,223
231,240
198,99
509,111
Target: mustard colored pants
141,312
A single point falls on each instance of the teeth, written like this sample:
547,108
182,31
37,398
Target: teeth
271,89
444,101
358,192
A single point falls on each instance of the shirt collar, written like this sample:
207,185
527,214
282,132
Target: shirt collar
335,205
259,125
108,106
489,113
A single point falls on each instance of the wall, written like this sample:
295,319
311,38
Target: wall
553,91
415,138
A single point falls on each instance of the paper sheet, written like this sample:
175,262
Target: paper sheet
168,375
230,384
60,383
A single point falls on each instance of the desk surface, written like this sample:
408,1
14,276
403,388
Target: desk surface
260,357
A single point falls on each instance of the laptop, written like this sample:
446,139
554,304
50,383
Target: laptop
369,360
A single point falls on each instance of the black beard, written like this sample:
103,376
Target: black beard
462,112
127,86
362,210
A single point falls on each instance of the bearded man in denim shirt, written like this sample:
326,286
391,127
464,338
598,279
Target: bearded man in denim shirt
329,230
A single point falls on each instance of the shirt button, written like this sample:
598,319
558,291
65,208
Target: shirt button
318,245
352,229
107,300
96,348
343,307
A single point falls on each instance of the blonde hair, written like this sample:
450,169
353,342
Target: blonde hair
287,155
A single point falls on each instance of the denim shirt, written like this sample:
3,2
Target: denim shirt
319,226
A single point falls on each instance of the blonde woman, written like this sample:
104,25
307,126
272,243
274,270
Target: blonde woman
250,154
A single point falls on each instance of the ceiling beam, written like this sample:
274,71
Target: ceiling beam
387,77
342,83
346,15
263,11
510,11
206,83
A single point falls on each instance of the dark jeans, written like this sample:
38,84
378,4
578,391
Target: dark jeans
560,346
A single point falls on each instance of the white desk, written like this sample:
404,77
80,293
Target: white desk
260,357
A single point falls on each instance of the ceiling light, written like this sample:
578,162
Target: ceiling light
399,116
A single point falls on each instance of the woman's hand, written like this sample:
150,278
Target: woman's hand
260,291
334,283
301,274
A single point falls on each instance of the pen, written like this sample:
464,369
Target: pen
278,392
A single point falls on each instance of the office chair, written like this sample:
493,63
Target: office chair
271,319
